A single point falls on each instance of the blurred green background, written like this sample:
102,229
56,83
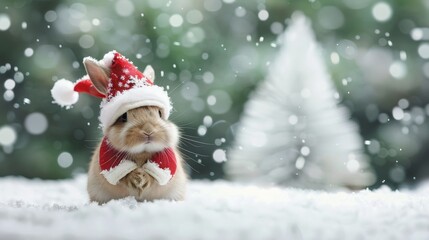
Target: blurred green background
211,54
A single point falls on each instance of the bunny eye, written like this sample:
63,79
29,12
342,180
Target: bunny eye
160,113
123,118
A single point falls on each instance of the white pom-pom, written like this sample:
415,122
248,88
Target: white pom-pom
63,93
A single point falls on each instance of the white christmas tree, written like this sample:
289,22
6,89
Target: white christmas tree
293,131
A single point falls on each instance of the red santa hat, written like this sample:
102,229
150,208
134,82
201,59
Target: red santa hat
128,88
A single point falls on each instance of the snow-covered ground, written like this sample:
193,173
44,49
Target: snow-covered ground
36,209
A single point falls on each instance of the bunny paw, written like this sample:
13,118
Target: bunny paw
139,180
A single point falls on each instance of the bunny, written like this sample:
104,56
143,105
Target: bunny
138,154
140,133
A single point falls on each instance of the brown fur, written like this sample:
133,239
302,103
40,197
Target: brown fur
125,136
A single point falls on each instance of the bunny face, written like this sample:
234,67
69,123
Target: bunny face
142,130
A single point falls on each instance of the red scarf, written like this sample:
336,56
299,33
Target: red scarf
111,158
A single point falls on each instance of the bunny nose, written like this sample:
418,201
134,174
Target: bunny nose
147,136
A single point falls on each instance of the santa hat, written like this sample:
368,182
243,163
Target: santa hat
114,165
127,89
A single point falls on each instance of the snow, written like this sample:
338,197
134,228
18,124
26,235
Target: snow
4,22
381,11
41,209
107,59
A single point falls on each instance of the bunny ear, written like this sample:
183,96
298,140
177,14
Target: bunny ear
149,73
97,74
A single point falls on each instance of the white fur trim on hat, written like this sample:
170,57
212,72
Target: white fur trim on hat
162,176
116,173
133,98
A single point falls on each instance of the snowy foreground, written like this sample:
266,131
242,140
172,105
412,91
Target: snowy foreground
36,209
